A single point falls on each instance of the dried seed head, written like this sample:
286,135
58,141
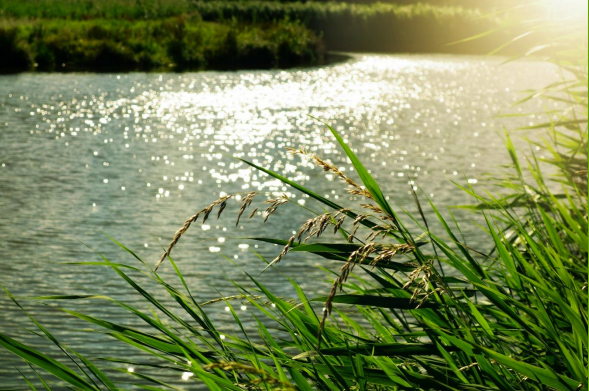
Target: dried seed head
221,201
314,227
274,204
384,251
360,192
221,208
282,253
373,208
387,252
253,213
330,167
427,296
339,223
206,211
247,200
421,277
356,224
264,377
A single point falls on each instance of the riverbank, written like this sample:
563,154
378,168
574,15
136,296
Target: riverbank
175,43
127,35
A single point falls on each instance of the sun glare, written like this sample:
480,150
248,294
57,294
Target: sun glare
567,9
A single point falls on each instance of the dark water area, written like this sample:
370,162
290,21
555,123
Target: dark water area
133,155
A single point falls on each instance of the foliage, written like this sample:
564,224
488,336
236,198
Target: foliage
411,27
180,43
264,9
367,27
15,55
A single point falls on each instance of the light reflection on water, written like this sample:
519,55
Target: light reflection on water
134,155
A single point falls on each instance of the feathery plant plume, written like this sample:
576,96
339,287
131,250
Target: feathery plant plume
329,167
233,297
356,224
222,202
274,204
245,203
383,253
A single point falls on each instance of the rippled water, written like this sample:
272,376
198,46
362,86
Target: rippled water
133,155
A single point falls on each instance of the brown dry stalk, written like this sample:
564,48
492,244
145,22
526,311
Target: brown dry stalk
206,211
330,167
464,368
282,253
274,204
384,252
427,273
247,200
226,298
265,377
356,225
312,227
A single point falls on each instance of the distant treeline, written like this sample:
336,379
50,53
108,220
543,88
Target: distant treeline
367,27
183,34
156,9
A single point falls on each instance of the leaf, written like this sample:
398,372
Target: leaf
379,301
379,349
45,362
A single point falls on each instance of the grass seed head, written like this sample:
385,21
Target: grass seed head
247,200
206,211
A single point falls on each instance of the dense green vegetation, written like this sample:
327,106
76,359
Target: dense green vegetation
429,311
368,27
131,34
176,43
156,9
